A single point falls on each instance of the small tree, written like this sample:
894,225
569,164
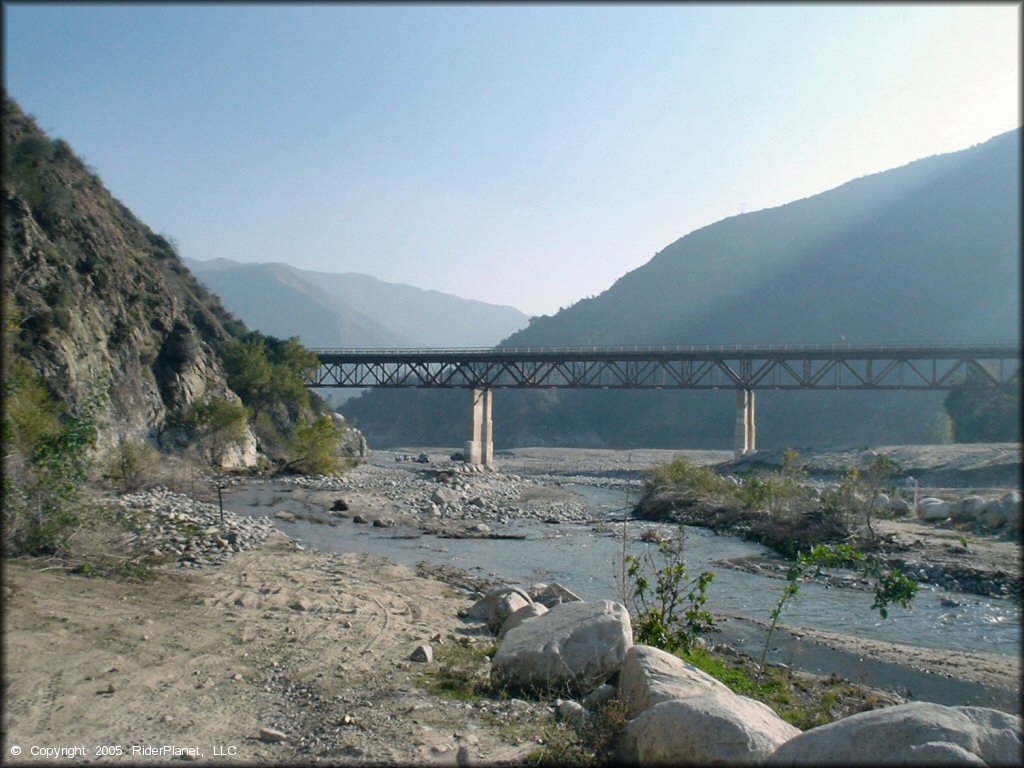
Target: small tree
314,446
841,503
983,415
777,492
219,424
878,475
40,502
891,586
250,374
669,611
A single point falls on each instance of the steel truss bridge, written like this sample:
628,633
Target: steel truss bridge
744,369
836,367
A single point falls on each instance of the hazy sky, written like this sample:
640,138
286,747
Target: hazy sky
518,154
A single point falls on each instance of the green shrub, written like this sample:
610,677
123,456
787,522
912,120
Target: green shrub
46,466
265,372
891,586
459,672
314,447
667,608
219,424
129,463
682,476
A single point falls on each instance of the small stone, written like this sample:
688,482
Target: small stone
271,735
423,653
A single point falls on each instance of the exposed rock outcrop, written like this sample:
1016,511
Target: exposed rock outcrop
103,306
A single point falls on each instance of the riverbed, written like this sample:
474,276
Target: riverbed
580,544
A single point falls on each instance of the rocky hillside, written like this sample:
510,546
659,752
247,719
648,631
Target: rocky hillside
929,252
96,301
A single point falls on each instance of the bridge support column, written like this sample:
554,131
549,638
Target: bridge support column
746,426
480,446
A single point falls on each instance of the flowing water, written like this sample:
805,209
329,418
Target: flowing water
586,558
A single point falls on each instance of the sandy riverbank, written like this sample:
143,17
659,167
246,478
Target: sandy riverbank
313,645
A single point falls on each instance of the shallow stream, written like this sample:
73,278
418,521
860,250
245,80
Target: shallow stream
586,558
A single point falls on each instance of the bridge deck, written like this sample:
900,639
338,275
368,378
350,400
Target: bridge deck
742,367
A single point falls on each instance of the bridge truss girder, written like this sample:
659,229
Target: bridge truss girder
888,368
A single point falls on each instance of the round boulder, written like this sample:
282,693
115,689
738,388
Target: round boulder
919,732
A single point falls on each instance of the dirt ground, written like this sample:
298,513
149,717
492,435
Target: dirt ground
315,646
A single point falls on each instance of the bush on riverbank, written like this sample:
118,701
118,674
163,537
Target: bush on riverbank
778,509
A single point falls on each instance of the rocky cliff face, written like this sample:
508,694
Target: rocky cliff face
97,302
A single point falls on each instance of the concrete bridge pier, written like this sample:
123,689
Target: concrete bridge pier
480,446
746,426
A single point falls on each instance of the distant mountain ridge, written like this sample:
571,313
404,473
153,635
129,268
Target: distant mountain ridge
928,252
352,310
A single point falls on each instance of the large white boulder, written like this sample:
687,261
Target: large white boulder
574,648
898,506
528,611
970,506
484,608
992,515
709,729
919,732
507,605
442,496
650,676
552,594
931,508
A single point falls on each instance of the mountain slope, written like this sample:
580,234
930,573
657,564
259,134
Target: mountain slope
277,300
929,252
429,318
873,260
97,302
353,310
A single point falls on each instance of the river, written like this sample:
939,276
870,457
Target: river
586,558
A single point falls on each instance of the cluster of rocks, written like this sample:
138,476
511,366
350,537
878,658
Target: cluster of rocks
551,642
986,513
194,534
989,513
458,492
957,578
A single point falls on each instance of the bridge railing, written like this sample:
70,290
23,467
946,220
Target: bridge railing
1001,347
